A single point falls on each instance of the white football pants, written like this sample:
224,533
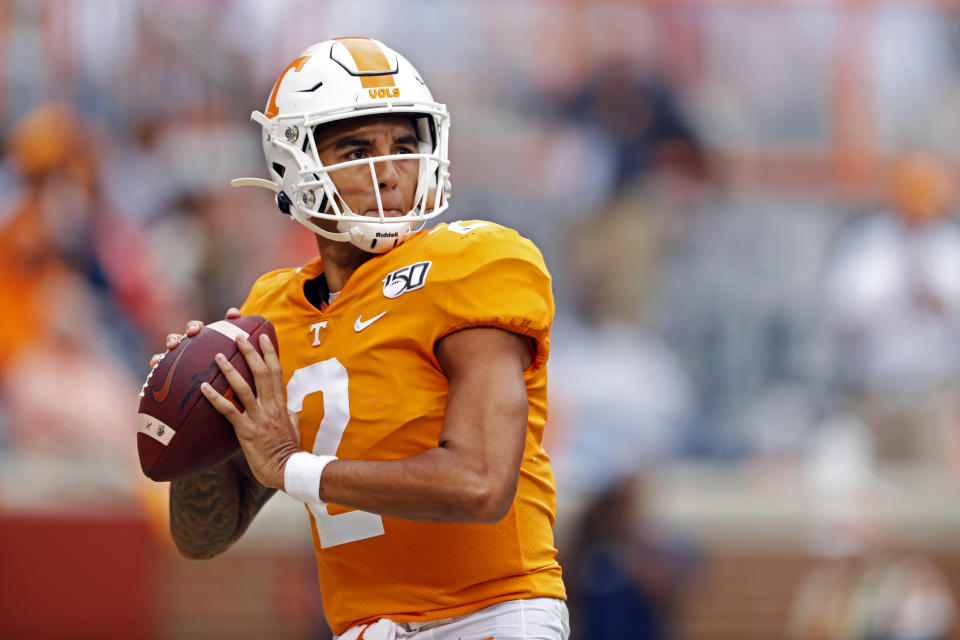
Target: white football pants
533,619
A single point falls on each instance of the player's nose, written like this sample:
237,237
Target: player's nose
387,175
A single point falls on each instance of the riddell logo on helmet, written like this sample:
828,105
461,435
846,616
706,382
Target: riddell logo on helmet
384,93
396,234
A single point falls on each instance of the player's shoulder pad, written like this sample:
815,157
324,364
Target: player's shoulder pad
466,245
268,288
494,277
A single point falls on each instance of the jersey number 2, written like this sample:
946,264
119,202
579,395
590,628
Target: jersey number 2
330,378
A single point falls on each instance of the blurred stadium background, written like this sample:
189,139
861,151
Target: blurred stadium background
749,208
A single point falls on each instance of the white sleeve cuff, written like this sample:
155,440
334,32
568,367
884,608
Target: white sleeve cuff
301,476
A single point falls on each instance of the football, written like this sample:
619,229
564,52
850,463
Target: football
180,432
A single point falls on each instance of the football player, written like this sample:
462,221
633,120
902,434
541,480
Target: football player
407,403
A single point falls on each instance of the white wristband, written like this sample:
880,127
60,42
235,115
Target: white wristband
301,476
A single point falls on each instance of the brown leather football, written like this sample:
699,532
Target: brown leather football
180,432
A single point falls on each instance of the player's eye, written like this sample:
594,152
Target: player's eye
405,149
355,154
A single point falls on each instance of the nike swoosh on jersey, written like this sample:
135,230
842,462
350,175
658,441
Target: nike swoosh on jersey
160,394
360,325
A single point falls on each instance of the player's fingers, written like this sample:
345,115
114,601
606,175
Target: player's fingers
269,389
173,339
232,312
261,377
155,358
221,404
240,387
272,362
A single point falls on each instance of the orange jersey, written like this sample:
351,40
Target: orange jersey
364,378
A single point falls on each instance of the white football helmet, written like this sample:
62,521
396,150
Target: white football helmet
337,80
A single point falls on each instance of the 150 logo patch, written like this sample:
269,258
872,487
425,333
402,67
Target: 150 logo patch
408,278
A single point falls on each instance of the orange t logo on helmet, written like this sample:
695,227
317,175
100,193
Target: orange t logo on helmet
272,108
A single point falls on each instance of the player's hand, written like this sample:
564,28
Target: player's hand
266,430
192,329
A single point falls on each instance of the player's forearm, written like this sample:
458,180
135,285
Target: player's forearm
438,485
472,475
210,510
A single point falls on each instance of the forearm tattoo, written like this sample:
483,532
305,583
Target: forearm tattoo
209,511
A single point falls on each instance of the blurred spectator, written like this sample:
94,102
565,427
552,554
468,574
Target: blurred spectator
886,598
893,301
65,271
46,156
624,577
861,589
66,395
615,256
637,116
135,179
55,222
737,299
621,400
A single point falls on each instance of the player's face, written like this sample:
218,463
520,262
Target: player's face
368,138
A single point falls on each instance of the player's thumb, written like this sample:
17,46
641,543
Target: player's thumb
294,419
